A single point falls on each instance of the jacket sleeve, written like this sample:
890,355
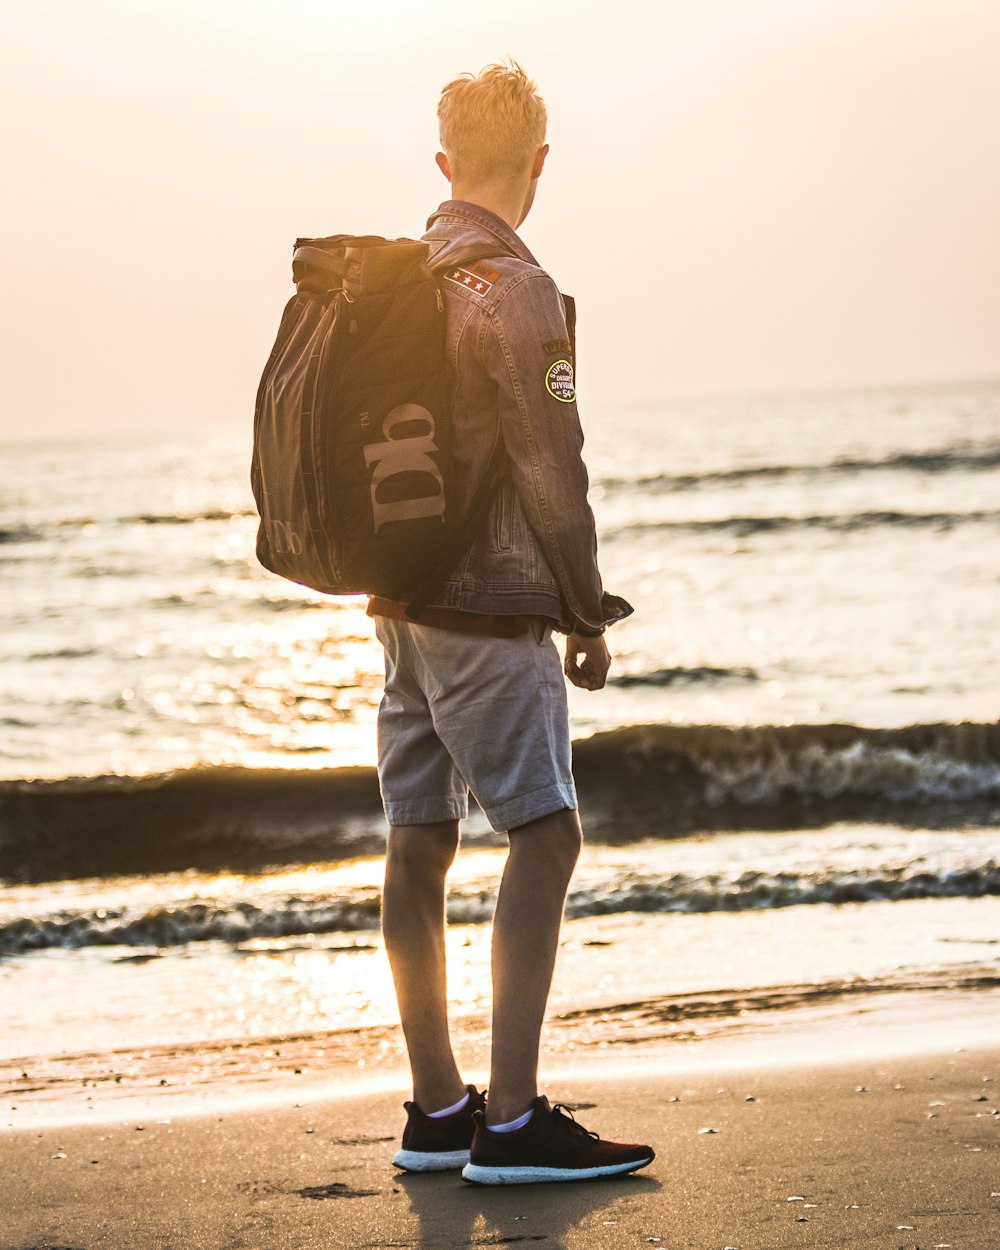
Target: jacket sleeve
527,354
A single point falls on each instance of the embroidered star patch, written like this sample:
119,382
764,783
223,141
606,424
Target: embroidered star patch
478,278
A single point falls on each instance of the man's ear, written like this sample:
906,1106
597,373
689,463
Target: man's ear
540,156
444,165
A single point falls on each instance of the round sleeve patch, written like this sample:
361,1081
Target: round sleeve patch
559,381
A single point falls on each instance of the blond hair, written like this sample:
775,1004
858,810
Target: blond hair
492,124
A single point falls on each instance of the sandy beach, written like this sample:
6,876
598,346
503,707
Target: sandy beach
886,1136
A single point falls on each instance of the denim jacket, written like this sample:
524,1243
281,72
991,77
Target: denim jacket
511,350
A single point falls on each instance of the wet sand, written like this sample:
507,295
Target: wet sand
867,1144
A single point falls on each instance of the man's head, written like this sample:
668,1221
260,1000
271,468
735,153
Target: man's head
493,136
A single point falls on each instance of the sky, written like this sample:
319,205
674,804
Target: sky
742,195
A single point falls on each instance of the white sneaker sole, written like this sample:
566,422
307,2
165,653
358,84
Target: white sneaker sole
476,1174
430,1160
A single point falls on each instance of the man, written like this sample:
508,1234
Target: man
474,696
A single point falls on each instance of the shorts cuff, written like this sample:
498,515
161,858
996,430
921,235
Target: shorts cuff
527,807
426,811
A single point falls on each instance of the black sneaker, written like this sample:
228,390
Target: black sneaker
550,1147
438,1143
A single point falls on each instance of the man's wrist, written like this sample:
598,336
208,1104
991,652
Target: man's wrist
584,631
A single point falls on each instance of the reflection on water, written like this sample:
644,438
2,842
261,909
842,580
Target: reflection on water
840,548
277,986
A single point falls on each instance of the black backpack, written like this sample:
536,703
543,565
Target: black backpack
353,471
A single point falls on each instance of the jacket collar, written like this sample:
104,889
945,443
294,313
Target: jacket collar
464,214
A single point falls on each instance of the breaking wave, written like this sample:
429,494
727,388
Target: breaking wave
35,533
641,781
948,459
683,676
187,518
234,921
20,534
845,523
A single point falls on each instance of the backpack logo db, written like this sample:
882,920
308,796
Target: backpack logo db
353,471
409,455
283,538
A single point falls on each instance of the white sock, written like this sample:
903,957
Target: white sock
438,1115
511,1125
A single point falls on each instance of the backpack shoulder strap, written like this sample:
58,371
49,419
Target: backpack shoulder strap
486,492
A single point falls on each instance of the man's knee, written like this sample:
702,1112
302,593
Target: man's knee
422,850
555,838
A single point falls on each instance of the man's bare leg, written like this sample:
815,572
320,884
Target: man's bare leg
417,861
526,927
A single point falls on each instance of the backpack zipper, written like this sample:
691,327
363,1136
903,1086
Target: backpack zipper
318,439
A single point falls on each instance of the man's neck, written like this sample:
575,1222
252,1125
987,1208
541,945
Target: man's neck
506,201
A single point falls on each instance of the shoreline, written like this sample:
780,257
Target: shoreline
251,1075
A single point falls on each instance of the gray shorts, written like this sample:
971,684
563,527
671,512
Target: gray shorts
466,712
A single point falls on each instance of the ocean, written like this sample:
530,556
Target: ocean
791,784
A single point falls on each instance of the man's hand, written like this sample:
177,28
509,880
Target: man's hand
593,672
